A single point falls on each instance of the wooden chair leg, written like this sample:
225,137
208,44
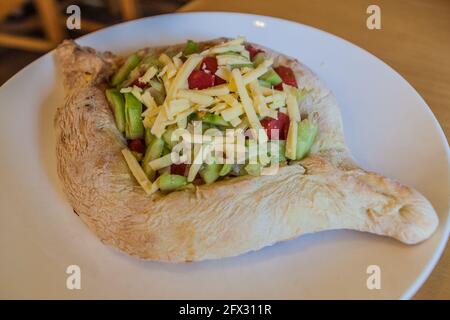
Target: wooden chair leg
128,9
50,16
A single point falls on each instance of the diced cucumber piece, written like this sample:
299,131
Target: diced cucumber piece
306,134
151,60
167,136
166,150
157,85
272,77
190,48
215,119
117,102
264,83
154,151
129,64
206,126
233,58
134,129
148,137
278,157
210,172
159,96
253,169
248,65
259,58
171,182
226,169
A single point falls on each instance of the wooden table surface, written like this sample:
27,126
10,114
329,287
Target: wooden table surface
414,39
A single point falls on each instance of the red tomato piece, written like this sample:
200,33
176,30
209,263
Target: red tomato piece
136,145
287,76
282,124
180,169
209,64
218,80
139,84
252,51
200,79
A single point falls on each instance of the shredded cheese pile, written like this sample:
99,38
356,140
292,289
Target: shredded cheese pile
241,101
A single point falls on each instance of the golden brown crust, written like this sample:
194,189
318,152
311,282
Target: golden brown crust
324,191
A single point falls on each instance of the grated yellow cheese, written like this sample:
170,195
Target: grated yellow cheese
137,171
196,97
258,72
233,112
258,99
224,48
171,69
162,162
229,99
177,61
291,143
247,102
199,151
148,100
126,90
159,125
224,73
227,59
292,105
216,90
148,75
162,72
177,106
180,80
218,107
235,122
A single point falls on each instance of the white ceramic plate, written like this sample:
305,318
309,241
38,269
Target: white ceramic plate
388,127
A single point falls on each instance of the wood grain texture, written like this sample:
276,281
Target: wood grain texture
414,40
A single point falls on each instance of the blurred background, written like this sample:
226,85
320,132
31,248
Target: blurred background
30,28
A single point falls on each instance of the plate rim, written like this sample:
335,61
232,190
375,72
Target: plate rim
432,262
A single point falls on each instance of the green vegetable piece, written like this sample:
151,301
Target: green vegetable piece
134,129
159,96
215,119
264,83
166,150
272,77
253,169
167,136
190,48
226,169
171,182
131,62
301,93
151,60
206,126
258,59
193,117
148,136
280,157
117,102
306,134
147,62
154,151
210,172
157,85
234,66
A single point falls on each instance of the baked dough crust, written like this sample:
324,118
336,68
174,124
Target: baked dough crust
326,190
